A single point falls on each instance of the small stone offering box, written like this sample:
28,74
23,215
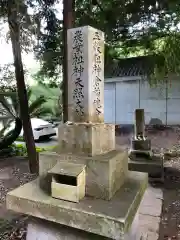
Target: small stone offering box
68,181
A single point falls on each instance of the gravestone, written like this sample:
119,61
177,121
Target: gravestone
141,156
109,209
140,144
139,124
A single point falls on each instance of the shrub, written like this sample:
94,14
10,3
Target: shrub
20,149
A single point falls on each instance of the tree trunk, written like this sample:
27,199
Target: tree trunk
9,139
14,28
68,22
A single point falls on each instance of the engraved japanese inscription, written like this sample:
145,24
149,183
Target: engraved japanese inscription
78,69
97,72
85,75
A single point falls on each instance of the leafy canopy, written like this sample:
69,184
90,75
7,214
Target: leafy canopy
131,27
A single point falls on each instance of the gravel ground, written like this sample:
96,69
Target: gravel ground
13,173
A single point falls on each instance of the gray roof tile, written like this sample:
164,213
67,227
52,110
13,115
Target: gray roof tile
136,66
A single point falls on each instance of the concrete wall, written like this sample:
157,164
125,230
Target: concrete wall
125,95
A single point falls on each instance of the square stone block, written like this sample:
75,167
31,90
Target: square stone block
112,219
140,155
86,138
68,181
105,174
141,144
155,167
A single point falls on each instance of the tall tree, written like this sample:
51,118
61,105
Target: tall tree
130,26
14,27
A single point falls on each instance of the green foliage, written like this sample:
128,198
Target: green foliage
20,150
54,99
10,106
131,27
10,103
170,52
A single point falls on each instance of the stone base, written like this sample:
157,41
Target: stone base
86,138
44,230
155,167
112,219
143,145
140,155
105,174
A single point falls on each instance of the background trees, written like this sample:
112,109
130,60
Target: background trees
135,27
131,28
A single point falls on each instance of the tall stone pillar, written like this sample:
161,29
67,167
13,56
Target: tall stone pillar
86,75
87,133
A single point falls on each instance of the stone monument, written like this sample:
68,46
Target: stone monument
140,144
84,189
141,156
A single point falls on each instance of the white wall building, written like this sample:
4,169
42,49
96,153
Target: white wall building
128,88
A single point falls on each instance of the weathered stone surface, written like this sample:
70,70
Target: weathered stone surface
85,75
140,155
109,219
67,169
85,138
139,123
105,174
140,144
68,181
154,167
149,213
148,225
150,228
45,230
154,196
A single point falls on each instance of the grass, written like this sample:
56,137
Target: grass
20,139
21,149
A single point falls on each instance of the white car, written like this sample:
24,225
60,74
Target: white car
40,129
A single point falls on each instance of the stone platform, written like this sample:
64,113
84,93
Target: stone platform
41,229
110,219
105,173
154,166
148,224
141,144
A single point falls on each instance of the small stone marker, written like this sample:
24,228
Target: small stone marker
139,143
86,75
139,131
141,156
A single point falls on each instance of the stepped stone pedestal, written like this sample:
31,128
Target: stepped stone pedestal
85,161
141,156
